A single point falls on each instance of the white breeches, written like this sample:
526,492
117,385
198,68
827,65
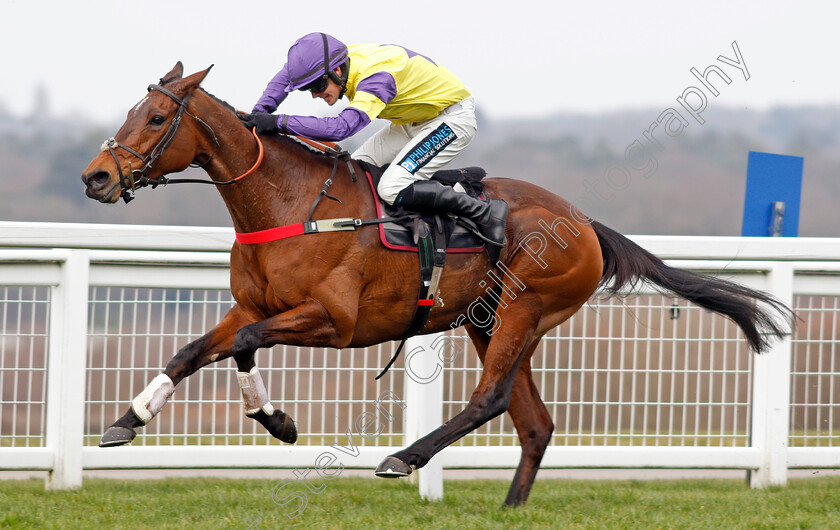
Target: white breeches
416,150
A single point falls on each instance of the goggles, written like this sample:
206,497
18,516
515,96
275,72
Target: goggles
318,85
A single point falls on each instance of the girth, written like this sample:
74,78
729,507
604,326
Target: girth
431,245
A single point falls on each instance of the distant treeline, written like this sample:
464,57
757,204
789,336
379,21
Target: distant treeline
690,185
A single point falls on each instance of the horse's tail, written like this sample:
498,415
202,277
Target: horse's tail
625,263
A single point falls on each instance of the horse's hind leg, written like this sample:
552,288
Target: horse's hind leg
530,417
534,427
491,397
212,347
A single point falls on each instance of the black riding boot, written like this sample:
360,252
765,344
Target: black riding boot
434,197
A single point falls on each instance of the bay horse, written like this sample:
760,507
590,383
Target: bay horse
346,290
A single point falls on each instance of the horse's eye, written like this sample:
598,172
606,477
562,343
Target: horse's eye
157,119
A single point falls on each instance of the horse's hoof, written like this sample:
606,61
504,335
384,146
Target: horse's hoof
393,467
279,424
115,436
288,432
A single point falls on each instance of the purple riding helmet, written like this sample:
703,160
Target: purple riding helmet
312,60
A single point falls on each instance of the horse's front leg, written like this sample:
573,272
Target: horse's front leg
308,324
212,347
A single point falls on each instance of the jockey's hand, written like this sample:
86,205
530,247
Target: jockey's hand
263,121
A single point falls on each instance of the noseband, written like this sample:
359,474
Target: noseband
140,177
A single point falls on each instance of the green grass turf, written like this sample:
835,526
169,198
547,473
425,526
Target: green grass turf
368,503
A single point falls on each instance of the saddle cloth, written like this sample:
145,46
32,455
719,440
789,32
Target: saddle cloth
400,236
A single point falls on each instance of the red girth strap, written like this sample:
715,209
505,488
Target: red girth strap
272,234
306,227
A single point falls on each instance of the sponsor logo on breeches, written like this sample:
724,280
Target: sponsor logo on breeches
428,147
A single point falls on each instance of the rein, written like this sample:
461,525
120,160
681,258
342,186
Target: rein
135,177
165,181
140,177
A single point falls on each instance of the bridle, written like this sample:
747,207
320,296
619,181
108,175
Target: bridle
140,177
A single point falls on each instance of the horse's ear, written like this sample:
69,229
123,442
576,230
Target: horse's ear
195,80
176,73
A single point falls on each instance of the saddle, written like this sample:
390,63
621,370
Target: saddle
404,235
431,236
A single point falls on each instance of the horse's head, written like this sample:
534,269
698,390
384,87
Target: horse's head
148,145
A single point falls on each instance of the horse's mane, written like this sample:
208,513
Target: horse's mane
222,102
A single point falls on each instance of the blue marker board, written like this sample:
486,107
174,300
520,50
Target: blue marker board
770,179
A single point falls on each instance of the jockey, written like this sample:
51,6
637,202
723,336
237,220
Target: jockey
431,113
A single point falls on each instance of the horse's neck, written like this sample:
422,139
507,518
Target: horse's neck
281,190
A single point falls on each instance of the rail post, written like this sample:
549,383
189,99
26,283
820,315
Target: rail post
424,405
66,372
771,394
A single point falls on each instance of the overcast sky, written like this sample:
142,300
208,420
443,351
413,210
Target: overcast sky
519,58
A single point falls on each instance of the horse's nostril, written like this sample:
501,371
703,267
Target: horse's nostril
96,177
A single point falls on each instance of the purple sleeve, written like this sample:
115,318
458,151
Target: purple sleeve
346,124
380,84
274,93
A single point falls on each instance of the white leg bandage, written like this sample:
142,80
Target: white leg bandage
149,402
254,395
